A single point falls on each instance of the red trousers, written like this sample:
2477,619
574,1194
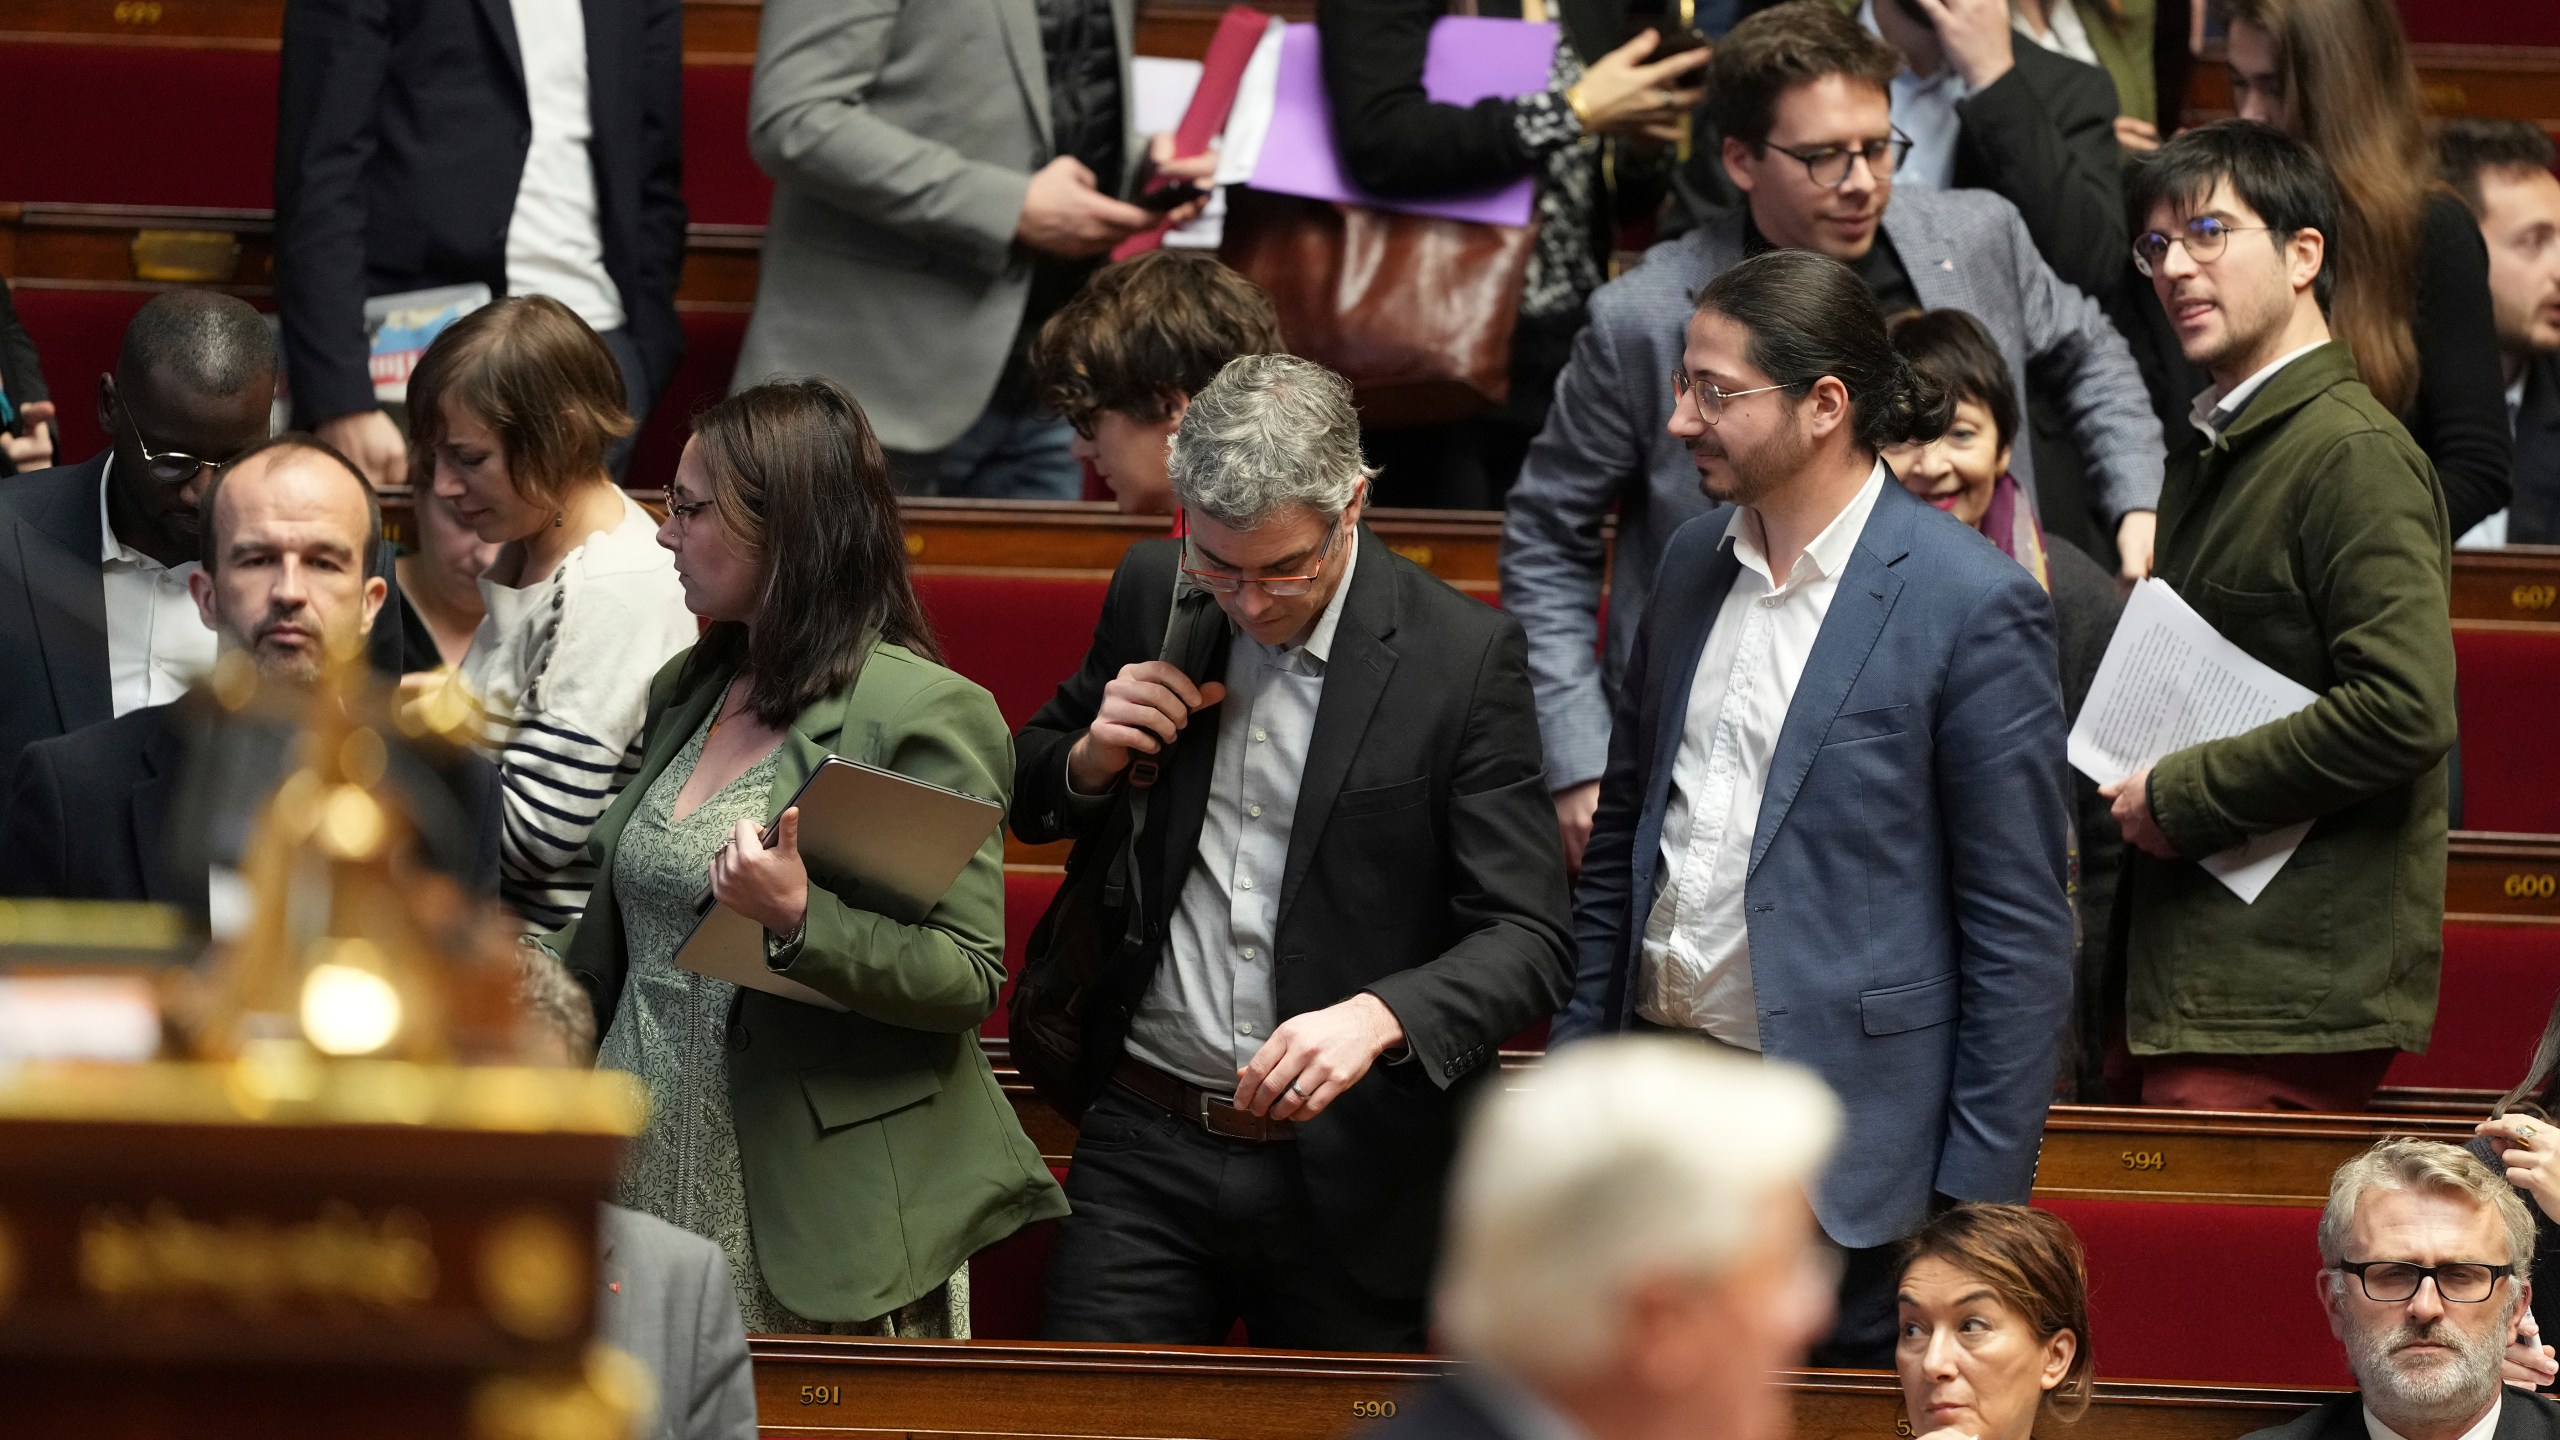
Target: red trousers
2341,1083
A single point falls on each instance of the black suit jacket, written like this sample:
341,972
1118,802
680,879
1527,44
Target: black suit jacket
2533,515
90,813
401,132
1423,868
53,607
2520,1417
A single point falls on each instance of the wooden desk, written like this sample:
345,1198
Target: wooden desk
875,1389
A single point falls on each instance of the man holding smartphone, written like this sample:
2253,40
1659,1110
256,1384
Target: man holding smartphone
945,176
1350,886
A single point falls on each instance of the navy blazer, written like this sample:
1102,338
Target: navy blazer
1910,925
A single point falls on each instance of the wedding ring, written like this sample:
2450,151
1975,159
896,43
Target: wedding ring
1662,98
2524,1132
1294,1090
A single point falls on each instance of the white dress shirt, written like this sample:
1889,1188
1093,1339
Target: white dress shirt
1696,967
2065,33
2215,409
157,644
1214,1000
1925,110
554,246
2483,1430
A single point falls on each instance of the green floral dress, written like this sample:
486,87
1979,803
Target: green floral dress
670,1030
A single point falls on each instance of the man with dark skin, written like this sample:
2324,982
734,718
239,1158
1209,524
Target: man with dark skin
95,619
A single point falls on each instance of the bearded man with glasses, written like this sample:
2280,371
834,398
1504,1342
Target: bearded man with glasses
2308,528
2424,1254
1799,96
1349,889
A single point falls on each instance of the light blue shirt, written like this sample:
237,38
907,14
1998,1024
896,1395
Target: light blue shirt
1213,1000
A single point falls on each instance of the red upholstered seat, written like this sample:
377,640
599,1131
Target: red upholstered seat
2499,981
138,125
77,333
2510,772
2220,1294
711,340
1016,634
722,185
1005,1281
1027,894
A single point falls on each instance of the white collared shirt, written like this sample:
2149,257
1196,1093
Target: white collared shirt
2066,33
1924,108
2486,1427
1696,967
555,243
157,643
2216,408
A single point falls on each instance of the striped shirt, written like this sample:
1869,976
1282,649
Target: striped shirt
561,670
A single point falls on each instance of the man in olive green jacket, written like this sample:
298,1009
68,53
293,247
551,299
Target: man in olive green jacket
2311,532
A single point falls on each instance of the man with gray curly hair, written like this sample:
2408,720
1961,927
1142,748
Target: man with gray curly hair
1348,891
2426,1259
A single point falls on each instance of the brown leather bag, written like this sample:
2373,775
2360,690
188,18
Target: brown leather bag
1415,311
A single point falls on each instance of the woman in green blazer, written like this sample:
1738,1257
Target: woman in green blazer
848,1163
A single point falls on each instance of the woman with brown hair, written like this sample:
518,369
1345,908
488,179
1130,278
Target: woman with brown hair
1994,1302
882,1153
2412,297
511,411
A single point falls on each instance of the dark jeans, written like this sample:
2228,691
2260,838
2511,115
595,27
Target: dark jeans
637,397
1177,1234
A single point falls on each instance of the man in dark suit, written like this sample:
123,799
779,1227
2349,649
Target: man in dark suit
95,618
1832,829
2424,1254
533,146
2503,171
287,579
1667,1310
1351,887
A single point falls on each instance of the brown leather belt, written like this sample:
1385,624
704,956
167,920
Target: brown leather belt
1211,1111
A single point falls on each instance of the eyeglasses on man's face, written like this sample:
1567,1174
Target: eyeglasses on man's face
167,468
1279,587
1703,393
1829,165
2391,1282
2205,238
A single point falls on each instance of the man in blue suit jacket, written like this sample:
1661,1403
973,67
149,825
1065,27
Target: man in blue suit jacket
1834,825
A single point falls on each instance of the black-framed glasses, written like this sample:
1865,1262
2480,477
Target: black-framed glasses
1829,165
167,467
1228,582
1705,395
2464,1282
2204,237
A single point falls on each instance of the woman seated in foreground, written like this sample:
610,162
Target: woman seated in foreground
1994,1302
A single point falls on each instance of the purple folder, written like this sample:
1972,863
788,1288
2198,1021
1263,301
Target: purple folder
1470,58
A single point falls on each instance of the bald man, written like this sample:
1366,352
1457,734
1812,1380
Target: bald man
286,573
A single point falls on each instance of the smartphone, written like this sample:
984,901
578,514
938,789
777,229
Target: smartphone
1677,40
1169,197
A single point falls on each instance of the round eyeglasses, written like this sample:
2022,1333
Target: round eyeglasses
2204,238
2463,1282
1704,394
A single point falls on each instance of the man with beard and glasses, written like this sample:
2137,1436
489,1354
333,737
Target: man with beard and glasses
288,576
1800,98
2424,1254
2310,531
1834,827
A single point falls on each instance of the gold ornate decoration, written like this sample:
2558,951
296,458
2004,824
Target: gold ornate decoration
534,1272
385,1260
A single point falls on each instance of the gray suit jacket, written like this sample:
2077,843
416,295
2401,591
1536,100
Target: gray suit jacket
1605,441
665,1297
901,136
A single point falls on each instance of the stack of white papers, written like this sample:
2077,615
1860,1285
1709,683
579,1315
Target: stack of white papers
2169,681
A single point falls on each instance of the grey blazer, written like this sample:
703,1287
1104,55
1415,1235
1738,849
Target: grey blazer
1605,441
664,1295
901,136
